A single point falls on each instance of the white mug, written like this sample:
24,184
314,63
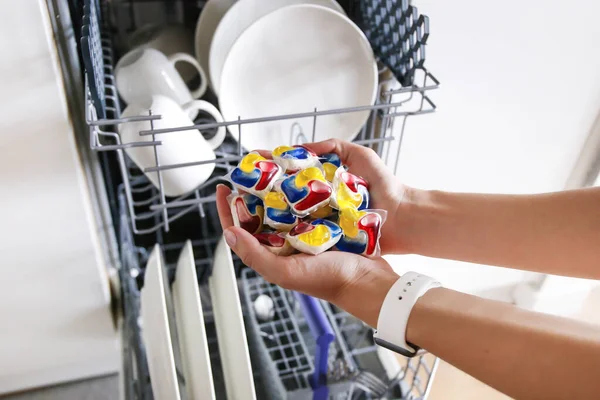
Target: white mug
168,39
177,147
145,72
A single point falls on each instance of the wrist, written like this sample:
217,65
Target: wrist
397,308
364,297
415,218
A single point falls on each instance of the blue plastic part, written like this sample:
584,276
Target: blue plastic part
322,331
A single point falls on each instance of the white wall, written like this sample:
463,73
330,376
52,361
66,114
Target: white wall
520,91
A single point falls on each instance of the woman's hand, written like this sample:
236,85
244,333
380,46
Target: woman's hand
387,193
355,283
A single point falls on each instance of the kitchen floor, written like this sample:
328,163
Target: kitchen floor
449,383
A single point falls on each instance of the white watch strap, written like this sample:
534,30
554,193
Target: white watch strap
396,308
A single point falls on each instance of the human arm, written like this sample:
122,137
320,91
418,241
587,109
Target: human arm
556,233
524,354
521,353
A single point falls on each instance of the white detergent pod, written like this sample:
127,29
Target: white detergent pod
314,237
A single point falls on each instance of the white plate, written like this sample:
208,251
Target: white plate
229,323
291,61
239,17
207,23
156,331
190,328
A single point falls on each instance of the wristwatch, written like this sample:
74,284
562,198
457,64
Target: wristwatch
395,310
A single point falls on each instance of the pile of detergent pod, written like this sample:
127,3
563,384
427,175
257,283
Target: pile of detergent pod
303,201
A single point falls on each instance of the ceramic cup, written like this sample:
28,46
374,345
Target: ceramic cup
177,147
145,72
168,39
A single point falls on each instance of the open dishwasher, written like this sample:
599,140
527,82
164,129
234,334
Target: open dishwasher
289,360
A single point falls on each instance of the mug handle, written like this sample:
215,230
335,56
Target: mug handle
205,106
199,92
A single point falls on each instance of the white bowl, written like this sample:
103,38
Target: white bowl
294,60
238,18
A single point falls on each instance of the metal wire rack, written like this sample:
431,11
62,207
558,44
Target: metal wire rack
355,369
136,376
151,210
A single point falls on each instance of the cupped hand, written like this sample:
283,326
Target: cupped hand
355,283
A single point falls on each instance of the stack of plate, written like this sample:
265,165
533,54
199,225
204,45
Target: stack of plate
279,57
174,333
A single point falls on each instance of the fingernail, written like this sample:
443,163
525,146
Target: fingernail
221,185
230,238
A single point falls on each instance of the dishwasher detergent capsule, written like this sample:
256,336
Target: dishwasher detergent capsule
349,191
306,191
255,174
314,237
278,214
247,211
331,162
361,231
295,158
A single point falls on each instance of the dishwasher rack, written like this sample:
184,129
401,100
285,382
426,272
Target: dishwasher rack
355,369
282,350
149,208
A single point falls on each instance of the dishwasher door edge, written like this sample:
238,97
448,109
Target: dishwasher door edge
69,71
